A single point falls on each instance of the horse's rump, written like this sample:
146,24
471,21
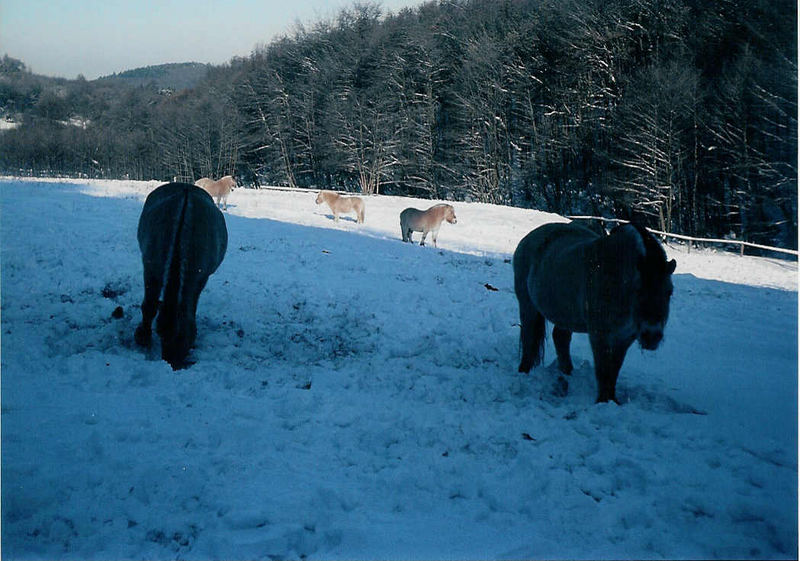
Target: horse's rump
204,182
411,218
349,204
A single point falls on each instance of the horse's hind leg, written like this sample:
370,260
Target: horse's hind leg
152,289
561,340
424,235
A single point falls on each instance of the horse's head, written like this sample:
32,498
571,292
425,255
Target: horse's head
320,197
655,291
231,182
450,214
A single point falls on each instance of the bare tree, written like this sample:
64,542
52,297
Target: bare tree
654,120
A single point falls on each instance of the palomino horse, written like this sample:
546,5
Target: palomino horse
616,288
183,238
341,204
219,189
413,220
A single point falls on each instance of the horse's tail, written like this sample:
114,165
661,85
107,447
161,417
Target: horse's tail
360,211
535,343
167,324
532,323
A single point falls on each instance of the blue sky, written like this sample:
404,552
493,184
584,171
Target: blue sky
99,37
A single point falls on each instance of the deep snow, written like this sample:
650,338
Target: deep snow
357,397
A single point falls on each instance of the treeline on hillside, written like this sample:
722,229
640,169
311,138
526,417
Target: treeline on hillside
683,112
170,76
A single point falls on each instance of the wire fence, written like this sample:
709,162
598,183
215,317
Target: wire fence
690,239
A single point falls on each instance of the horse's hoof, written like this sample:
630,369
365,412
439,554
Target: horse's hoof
180,364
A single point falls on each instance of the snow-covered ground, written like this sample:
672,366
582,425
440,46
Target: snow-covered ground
356,397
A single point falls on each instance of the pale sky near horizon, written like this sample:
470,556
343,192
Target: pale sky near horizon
95,38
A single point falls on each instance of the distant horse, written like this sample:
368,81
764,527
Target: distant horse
616,288
341,204
413,220
219,189
183,238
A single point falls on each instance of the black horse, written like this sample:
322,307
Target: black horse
183,239
616,288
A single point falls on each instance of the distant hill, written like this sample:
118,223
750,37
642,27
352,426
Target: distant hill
174,76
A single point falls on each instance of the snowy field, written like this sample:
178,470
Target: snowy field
355,397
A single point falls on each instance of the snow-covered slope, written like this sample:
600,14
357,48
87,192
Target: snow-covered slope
356,397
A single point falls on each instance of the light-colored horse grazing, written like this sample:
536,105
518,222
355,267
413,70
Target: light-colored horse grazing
414,220
219,189
183,239
340,204
616,288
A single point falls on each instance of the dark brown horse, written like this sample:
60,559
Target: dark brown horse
616,288
183,238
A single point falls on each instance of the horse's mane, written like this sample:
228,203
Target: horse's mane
440,207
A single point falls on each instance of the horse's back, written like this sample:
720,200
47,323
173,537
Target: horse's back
353,203
409,213
204,183
220,187
550,264
552,242
429,219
